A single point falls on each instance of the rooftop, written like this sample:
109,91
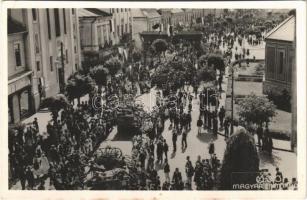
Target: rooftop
284,31
93,12
148,13
14,26
176,10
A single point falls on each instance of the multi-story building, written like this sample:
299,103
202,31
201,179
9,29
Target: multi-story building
95,29
122,23
43,51
279,54
186,17
145,20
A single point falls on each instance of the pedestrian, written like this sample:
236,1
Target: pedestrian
177,176
211,148
165,148
220,80
189,120
226,128
184,143
21,174
206,115
166,170
174,139
30,177
209,120
270,144
259,135
190,107
142,158
199,125
189,170
176,121
35,124
215,125
278,178
150,162
159,151
221,115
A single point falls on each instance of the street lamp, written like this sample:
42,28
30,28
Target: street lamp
232,65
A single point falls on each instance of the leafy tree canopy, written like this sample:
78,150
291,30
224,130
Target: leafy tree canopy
256,109
159,46
240,156
217,61
79,85
113,65
99,74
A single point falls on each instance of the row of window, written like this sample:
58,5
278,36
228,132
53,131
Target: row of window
17,52
56,21
271,62
279,64
118,10
36,36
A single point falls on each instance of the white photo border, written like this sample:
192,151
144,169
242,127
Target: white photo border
300,7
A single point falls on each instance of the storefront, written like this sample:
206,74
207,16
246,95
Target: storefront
19,98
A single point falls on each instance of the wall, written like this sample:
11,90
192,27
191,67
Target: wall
121,16
12,68
139,25
275,79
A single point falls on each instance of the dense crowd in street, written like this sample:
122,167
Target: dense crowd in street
63,152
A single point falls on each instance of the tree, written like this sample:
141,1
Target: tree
159,46
202,60
241,162
292,12
136,55
205,74
55,104
256,110
198,27
113,65
78,85
99,74
217,61
174,74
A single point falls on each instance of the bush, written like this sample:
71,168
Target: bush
282,101
259,69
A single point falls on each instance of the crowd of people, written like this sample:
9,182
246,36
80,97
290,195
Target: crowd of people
63,152
56,153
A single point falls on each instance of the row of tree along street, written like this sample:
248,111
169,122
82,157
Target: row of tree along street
69,156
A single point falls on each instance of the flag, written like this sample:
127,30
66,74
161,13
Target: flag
156,26
171,30
168,30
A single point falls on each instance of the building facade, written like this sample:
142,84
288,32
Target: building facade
121,23
49,53
145,20
279,54
95,29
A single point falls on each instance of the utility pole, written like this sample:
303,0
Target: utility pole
63,69
232,97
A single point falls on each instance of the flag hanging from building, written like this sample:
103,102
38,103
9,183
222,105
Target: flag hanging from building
168,30
156,26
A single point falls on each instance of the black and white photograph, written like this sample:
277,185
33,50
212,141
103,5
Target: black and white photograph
152,99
